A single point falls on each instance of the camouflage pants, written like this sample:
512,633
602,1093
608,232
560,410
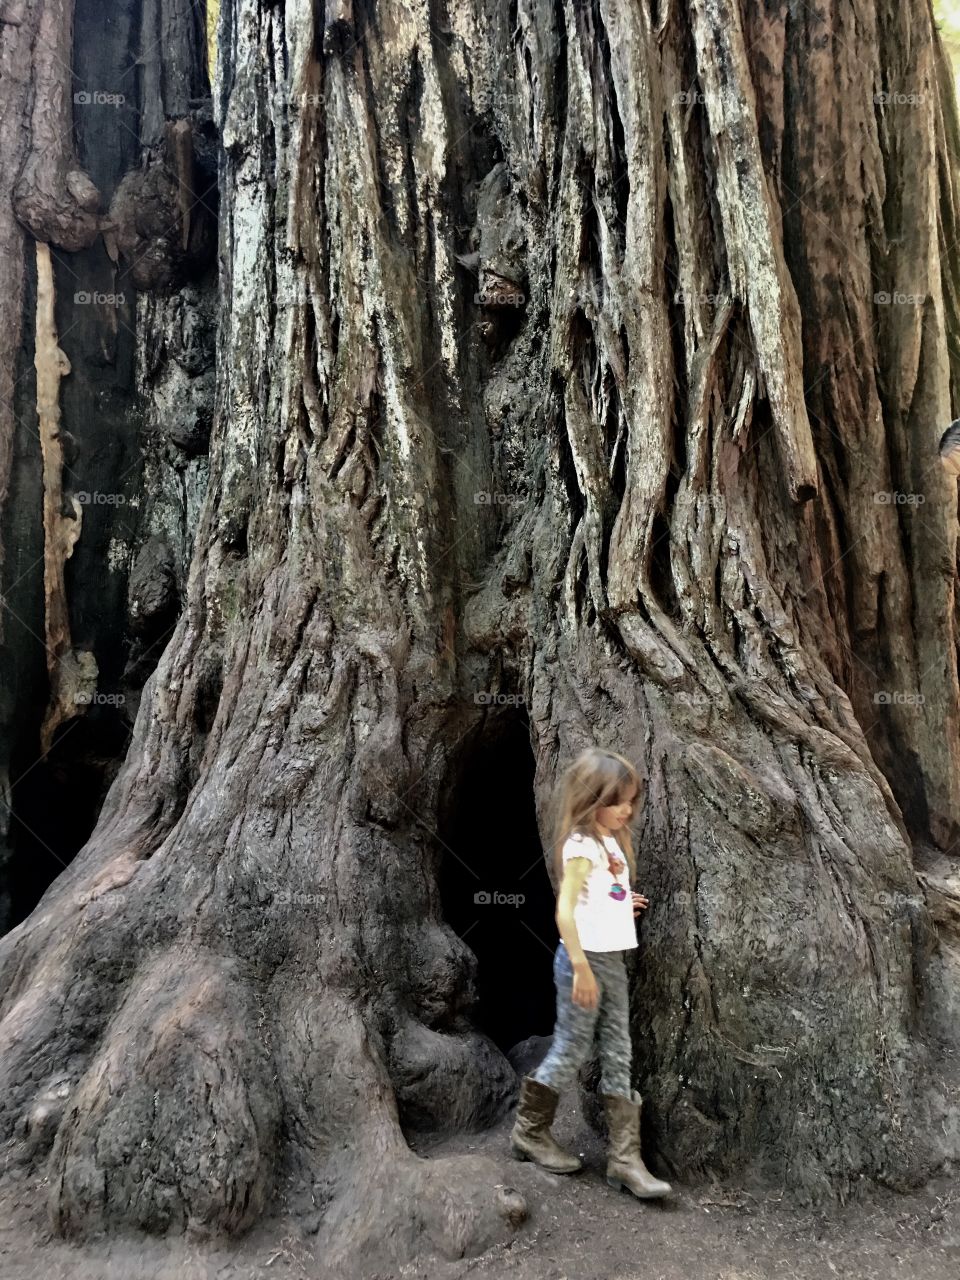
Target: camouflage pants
576,1027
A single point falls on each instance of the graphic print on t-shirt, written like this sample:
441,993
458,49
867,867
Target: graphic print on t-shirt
617,890
603,912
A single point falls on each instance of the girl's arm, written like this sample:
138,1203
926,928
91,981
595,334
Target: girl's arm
575,873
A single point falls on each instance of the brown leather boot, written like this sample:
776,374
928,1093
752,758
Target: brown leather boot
530,1138
625,1167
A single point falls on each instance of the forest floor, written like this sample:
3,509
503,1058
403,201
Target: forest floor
578,1229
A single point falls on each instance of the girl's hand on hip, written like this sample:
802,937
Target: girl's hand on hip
585,993
640,903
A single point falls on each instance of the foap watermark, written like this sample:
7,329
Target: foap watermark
95,498
107,898
289,300
894,498
897,698
898,299
695,701
84,698
898,900
308,100
685,298
495,898
898,99
97,98
293,898
500,293
91,298
484,498
489,698
297,101
687,97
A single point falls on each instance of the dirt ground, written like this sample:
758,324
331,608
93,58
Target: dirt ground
578,1229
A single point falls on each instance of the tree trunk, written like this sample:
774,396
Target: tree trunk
592,356
100,510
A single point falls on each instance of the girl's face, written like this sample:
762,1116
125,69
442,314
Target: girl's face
614,816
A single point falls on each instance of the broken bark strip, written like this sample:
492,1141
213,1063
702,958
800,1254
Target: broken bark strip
53,197
753,243
15,75
50,194
73,673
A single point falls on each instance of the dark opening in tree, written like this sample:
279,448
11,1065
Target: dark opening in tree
494,886
54,802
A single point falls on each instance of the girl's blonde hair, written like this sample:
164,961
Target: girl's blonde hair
595,780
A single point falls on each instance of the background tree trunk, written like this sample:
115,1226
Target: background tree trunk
91,592
593,356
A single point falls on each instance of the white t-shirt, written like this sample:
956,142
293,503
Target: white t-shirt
604,923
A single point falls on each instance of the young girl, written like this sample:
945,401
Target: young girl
595,916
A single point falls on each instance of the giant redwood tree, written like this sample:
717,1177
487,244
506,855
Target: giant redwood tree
591,355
